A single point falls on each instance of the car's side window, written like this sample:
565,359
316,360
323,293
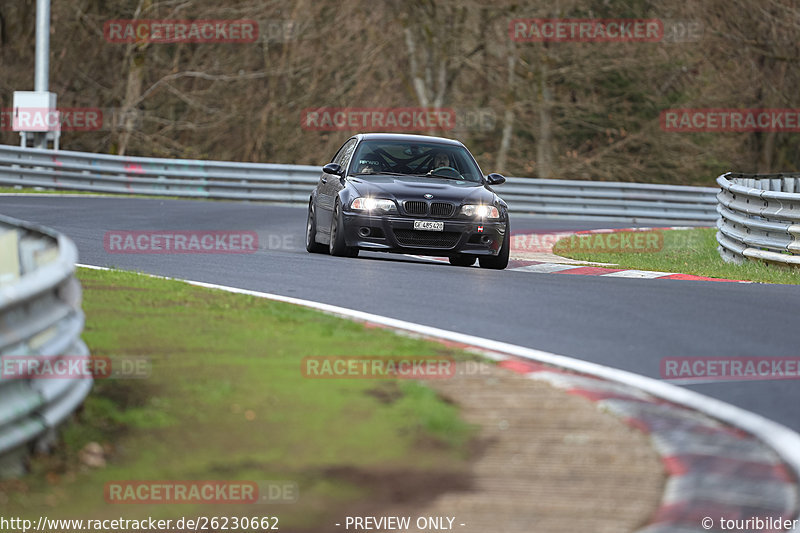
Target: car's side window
340,155
347,153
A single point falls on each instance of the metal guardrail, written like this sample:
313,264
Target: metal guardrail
293,183
156,176
759,217
40,316
599,199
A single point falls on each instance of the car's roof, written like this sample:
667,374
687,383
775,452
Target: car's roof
407,137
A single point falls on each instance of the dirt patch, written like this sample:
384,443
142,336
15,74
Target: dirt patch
388,486
387,491
551,462
125,395
387,392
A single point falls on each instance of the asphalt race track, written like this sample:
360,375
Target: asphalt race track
624,323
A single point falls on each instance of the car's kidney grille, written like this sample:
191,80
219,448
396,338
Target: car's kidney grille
426,239
414,207
442,209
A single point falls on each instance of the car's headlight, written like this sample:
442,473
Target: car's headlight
480,211
374,204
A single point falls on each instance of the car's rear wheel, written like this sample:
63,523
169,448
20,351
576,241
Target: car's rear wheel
312,246
462,260
499,261
338,246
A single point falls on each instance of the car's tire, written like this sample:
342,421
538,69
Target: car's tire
462,260
312,246
499,261
338,246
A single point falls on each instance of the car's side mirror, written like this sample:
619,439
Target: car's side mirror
495,179
333,168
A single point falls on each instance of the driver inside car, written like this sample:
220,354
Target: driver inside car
369,164
440,160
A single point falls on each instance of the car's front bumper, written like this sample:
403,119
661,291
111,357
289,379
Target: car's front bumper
395,233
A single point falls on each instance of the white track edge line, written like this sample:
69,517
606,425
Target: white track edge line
783,440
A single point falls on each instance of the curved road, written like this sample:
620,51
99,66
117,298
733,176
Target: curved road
624,323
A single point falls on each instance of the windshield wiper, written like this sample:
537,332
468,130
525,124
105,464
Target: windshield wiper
426,175
429,175
381,173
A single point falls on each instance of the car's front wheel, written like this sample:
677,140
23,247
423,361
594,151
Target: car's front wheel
338,246
462,260
312,245
499,261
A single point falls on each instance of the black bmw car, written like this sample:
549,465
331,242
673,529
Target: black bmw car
410,194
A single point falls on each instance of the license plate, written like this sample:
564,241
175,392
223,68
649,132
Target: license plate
429,225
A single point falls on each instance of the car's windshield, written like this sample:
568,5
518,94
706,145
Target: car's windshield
415,158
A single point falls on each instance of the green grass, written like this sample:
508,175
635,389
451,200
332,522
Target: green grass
39,190
30,190
226,400
692,251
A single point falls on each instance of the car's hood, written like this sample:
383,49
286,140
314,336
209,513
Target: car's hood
414,188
